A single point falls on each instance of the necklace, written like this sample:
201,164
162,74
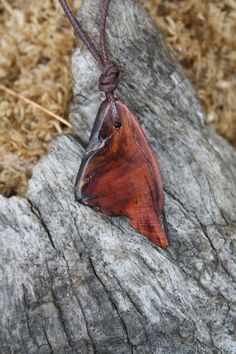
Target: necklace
119,173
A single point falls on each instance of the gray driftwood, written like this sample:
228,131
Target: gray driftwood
75,281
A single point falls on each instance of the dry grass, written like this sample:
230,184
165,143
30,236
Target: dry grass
36,45
203,36
35,52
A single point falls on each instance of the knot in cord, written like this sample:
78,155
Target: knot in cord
108,80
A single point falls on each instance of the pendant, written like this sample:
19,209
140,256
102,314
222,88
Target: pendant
119,174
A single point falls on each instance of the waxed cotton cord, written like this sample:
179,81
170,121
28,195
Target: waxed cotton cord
108,80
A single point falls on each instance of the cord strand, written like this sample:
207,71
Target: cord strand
108,80
102,34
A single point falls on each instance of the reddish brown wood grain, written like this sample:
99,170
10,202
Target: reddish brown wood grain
120,175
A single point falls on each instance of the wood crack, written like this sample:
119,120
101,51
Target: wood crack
60,313
38,215
81,308
26,308
198,267
114,305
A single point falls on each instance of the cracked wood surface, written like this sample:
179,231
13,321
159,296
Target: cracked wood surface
75,281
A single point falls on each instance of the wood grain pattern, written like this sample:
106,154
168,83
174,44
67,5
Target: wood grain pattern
75,282
120,175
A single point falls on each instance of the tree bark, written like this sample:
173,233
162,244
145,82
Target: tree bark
75,281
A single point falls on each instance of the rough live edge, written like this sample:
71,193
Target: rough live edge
75,281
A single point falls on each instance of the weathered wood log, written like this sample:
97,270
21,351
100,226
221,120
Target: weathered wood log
75,281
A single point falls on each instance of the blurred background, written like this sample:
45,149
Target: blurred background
36,44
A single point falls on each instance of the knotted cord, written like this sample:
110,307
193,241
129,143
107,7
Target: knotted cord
108,80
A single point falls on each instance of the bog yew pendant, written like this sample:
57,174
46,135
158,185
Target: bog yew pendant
119,174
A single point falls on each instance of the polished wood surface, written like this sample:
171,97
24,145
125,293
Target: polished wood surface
119,174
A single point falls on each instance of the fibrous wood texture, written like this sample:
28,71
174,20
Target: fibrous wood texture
75,281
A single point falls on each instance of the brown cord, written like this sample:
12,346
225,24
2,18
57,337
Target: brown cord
108,80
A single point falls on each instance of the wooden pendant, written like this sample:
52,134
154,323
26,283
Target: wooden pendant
119,174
